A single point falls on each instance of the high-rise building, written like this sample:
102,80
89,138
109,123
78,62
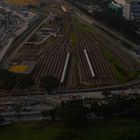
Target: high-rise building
131,8
117,8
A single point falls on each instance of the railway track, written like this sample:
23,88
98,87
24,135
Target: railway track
87,57
125,60
104,74
52,61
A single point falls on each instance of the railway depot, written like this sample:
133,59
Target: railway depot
77,55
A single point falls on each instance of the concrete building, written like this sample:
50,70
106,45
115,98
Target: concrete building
131,8
117,8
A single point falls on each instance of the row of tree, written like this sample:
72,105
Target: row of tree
77,112
10,80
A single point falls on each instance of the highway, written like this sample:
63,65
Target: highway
55,99
50,101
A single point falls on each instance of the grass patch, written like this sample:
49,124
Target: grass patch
88,29
133,74
73,39
96,130
122,74
30,131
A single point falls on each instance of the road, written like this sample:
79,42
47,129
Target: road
52,101
55,99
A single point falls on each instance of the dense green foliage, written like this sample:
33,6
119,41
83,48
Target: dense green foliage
74,113
113,129
50,83
70,135
9,80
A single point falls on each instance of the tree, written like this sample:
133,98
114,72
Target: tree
95,107
51,113
129,135
8,80
106,94
25,81
1,119
50,83
70,135
74,113
107,109
137,108
18,108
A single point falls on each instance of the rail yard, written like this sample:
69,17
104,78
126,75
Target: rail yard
91,65
63,70
78,55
